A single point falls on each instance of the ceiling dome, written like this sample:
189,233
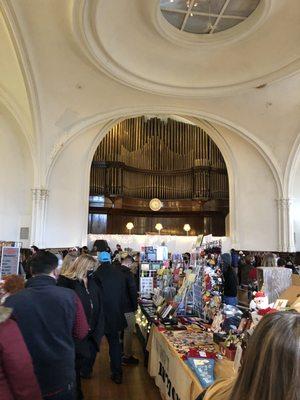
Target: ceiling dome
134,44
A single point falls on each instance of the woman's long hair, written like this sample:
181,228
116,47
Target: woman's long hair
271,367
269,260
67,263
80,267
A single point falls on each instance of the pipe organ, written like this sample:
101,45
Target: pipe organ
146,158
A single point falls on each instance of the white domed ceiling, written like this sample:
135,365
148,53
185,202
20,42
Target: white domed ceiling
132,42
206,16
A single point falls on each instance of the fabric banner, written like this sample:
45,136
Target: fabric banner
176,381
171,375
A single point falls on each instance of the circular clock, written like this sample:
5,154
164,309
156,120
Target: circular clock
155,204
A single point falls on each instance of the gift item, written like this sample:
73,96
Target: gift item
204,370
227,351
259,302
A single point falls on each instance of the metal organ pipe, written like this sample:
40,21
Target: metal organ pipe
150,150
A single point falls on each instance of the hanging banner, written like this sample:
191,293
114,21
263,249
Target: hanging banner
9,261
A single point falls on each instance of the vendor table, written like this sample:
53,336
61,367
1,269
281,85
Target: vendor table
176,381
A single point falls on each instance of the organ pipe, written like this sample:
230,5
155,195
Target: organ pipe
153,158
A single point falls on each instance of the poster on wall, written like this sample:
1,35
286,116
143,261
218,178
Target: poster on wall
9,261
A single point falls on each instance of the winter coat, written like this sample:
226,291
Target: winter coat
49,317
230,282
92,303
112,280
131,296
17,379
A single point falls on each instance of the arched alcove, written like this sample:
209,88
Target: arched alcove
144,158
248,165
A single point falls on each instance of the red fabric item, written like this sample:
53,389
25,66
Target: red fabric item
267,311
17,379
253,274
81,326
194,353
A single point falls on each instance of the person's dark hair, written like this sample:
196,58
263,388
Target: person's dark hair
64,253
35,248
43,262
271,366
281,262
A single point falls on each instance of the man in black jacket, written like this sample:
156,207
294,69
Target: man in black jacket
50,318
112,282
230,280
130,309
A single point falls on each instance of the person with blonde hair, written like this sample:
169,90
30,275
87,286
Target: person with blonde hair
271,365
269,260
78,276
67,262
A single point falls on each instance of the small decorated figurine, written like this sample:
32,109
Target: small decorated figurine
259,302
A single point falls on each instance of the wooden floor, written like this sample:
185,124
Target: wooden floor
137,384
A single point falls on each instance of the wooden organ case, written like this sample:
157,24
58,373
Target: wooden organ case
140,159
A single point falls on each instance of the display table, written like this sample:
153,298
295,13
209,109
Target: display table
176,381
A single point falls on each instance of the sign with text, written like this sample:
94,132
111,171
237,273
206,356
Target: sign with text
9,261
171,375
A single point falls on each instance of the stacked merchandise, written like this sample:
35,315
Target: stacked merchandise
148,270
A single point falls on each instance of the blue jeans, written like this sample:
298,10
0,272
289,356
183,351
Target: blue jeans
231,301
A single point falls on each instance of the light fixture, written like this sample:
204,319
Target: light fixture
187,228
129,226
158,227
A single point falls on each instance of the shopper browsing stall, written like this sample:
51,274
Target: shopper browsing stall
130,309
112,281
230,280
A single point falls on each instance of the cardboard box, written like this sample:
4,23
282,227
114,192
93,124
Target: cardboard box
291,294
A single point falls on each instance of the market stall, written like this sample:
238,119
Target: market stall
172,375
190,337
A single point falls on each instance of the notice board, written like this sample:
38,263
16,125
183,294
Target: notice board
9,261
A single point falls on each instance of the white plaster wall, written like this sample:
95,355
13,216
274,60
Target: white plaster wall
67,209
256,208
296,206
15,181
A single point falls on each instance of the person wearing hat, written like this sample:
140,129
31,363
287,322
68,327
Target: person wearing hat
112,281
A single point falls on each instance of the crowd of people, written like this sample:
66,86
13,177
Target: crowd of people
51,326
